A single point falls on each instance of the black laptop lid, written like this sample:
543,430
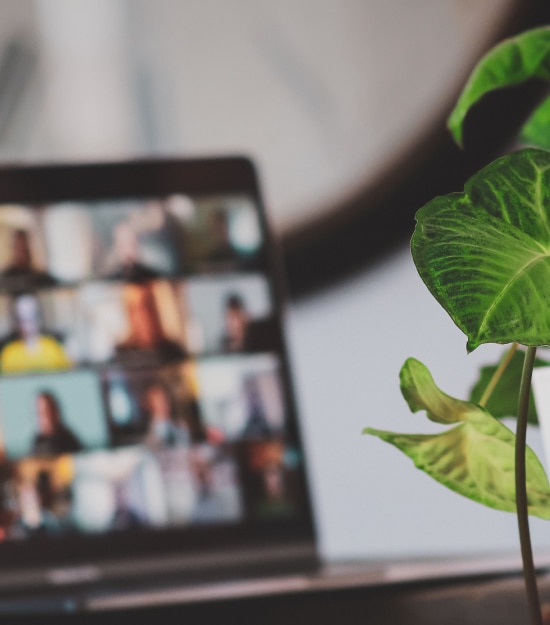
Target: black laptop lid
146,407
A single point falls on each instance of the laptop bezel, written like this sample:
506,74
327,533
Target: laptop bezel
37,185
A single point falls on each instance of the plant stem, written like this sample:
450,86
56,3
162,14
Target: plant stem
529,573
498,374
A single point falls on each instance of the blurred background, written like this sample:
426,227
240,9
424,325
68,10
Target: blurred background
342,104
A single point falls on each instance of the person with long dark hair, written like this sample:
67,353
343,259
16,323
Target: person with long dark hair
52,436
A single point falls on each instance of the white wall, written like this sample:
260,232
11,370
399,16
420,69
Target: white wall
348,346
324,94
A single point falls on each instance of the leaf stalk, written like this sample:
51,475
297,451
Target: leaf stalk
529,572
498,374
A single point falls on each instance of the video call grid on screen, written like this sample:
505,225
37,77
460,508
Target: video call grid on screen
141,382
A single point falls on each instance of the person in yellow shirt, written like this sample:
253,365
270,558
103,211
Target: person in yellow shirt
31,349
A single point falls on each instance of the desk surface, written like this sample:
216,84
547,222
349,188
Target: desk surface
331,577
372,594
385,591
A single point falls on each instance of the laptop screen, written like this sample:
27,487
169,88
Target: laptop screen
145,400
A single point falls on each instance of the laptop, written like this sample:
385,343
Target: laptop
148,431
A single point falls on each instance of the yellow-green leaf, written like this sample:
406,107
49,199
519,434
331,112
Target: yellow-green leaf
474,458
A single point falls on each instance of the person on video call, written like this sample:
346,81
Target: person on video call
124,516
163,430
221,247
275,500
21,272
52,436
235,321
146,340
257,424
210,505
241,332
124,261
30,349
44,510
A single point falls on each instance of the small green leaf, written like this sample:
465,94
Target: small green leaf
485,254
509,63
476,457
536,130
504,399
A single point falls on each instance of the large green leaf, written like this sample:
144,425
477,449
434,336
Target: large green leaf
476,457
485,254
509,63
536,130
503,401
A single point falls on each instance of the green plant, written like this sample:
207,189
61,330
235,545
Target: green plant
485,256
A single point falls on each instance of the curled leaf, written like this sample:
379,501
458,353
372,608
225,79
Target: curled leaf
475,458
511,62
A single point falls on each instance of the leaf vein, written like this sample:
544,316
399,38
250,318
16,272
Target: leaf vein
505,289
